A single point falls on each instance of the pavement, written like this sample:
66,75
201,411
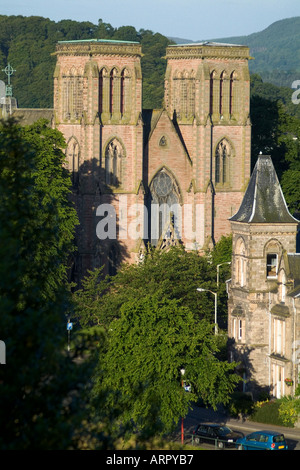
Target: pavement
202,414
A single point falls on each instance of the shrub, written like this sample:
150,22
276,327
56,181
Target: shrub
240,404
268,412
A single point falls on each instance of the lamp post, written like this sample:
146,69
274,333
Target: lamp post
199,289
182,371
218,268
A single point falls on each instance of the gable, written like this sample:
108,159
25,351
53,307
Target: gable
165,148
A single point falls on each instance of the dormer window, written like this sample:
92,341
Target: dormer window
272,265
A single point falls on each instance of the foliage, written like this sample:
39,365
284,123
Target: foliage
28,43
289,410
139,374
276,132
175,274
87,301
222,250
240,404
40,384
268,413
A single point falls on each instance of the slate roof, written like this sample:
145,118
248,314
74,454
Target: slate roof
264,201
27,116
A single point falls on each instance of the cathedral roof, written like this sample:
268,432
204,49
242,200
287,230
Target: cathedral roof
264,201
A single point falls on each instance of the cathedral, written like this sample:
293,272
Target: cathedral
181,174
158,176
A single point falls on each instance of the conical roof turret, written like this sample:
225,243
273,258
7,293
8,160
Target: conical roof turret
264,201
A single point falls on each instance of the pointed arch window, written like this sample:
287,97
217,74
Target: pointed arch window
240,263
73,156
112,79
211,92
221,98
114,155
222,160
231,92
122,91
102,74
165,203
72,92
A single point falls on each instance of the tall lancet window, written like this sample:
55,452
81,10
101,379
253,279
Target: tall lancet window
114,155
122,91
73,156
222,161
232,92
102,74
240,263
72,92
221,100
112,84
211,92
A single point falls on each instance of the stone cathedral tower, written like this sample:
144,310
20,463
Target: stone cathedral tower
171,175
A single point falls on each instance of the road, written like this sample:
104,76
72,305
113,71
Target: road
199,414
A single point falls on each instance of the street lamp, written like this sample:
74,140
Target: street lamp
199,289
182,371
218,266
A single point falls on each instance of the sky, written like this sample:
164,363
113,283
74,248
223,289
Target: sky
188,19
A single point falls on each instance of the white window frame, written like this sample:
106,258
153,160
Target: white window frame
271,265
237,328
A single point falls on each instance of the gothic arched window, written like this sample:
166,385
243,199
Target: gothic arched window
102,76
165,204
221,104
211,92
222,157
112,80
240,266
232,93
73,155
72,92
124,90
114,155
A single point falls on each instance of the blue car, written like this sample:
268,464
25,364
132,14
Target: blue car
262,440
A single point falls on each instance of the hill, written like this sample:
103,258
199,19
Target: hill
28,44
275,50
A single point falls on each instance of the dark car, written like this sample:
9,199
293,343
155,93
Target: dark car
216,434
262,440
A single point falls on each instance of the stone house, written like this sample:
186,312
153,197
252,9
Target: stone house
264,291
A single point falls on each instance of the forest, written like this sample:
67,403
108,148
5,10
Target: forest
28,43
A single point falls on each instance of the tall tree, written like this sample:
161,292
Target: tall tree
176,274
139,375
36,230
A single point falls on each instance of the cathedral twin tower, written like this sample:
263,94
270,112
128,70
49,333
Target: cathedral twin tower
163,176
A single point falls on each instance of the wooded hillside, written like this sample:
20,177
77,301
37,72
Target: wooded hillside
29,42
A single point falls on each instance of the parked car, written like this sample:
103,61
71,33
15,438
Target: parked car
262,440
216,434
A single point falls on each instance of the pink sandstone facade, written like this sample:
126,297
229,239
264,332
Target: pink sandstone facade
171,175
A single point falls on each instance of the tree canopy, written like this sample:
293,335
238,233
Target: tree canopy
28,43
40,383
174,274
139,375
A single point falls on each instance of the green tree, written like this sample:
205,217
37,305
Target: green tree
139,376
40,385
176,274
276,132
